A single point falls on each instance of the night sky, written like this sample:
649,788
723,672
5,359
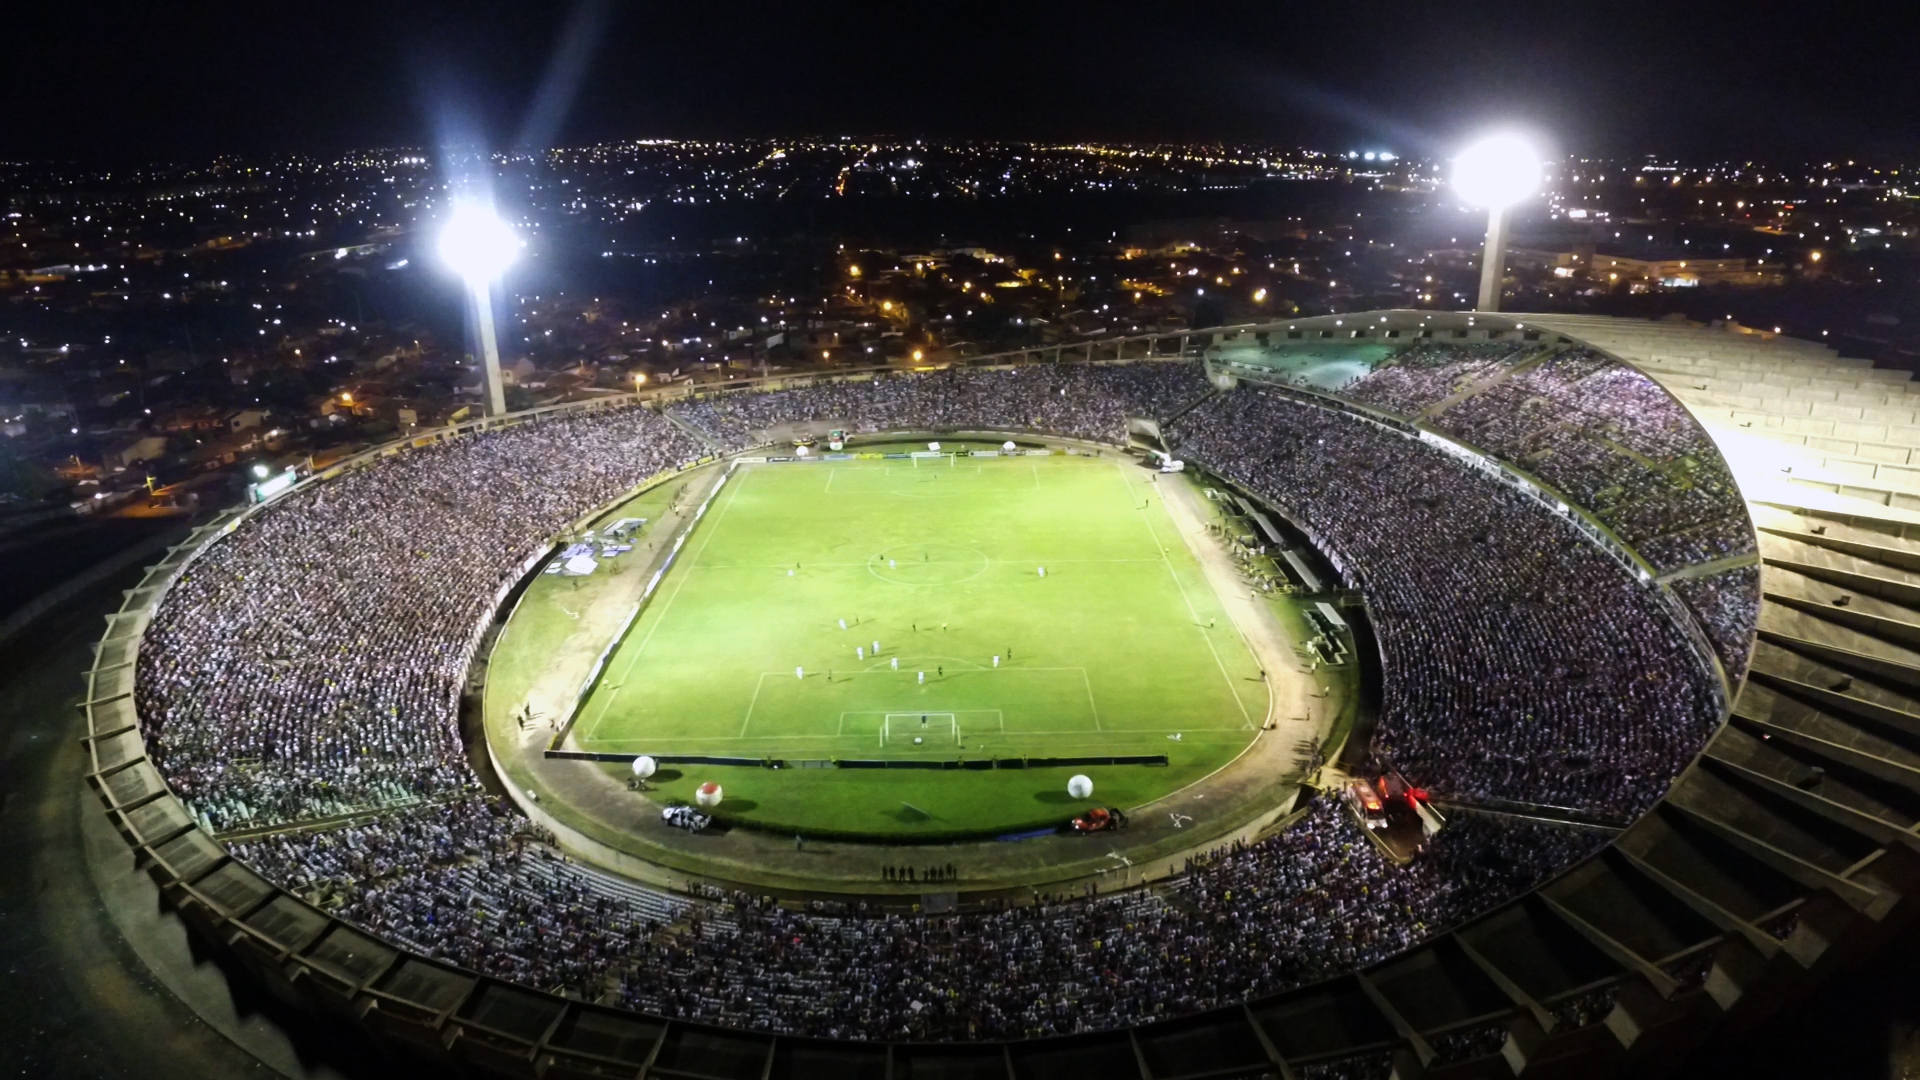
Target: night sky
185,80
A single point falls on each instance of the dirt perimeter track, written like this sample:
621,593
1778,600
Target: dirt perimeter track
599,821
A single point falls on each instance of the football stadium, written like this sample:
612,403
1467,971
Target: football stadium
1401,693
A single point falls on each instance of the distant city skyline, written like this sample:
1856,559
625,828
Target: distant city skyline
1760,81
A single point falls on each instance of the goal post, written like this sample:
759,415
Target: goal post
904,727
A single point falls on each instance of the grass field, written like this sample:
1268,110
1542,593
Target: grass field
1119,647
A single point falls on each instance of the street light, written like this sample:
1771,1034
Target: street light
1495,173
478,246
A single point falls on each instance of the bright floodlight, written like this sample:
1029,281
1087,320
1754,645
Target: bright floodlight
476,243
1496,172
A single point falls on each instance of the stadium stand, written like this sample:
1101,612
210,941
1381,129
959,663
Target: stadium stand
1685,919
1612,441
1426,373
1077,401
1604,435
312,666
1727,605
257,723
1520,663
493,898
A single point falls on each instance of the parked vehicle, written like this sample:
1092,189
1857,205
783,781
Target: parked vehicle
685,817
1100,819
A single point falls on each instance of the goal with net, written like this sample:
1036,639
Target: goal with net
934,728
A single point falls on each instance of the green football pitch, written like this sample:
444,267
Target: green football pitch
955,645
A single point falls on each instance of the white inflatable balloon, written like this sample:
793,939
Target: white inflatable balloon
708,795
1080,787
644,766
1007,446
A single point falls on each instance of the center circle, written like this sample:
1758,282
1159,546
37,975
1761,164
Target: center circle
933,563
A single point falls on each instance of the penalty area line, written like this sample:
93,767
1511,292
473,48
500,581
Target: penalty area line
748,719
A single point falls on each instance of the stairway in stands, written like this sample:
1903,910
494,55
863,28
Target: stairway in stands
695,430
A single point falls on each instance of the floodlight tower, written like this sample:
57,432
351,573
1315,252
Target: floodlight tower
478,246
1495,173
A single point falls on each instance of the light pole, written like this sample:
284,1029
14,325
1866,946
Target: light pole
478,246
1495,172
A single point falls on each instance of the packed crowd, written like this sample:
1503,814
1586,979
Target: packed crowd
1313,900
1427,373
470,884
1727,605
1603,433
479,888
1520,663
1082,401
1615,442
1375,1066
1697,544
309,665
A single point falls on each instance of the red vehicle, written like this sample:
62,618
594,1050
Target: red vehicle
1367,804
1100,819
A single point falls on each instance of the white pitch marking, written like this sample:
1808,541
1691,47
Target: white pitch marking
1191,610
679,584
748,719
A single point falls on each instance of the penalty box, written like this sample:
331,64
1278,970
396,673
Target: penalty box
1007,701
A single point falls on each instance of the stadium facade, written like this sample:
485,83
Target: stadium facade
1783,850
